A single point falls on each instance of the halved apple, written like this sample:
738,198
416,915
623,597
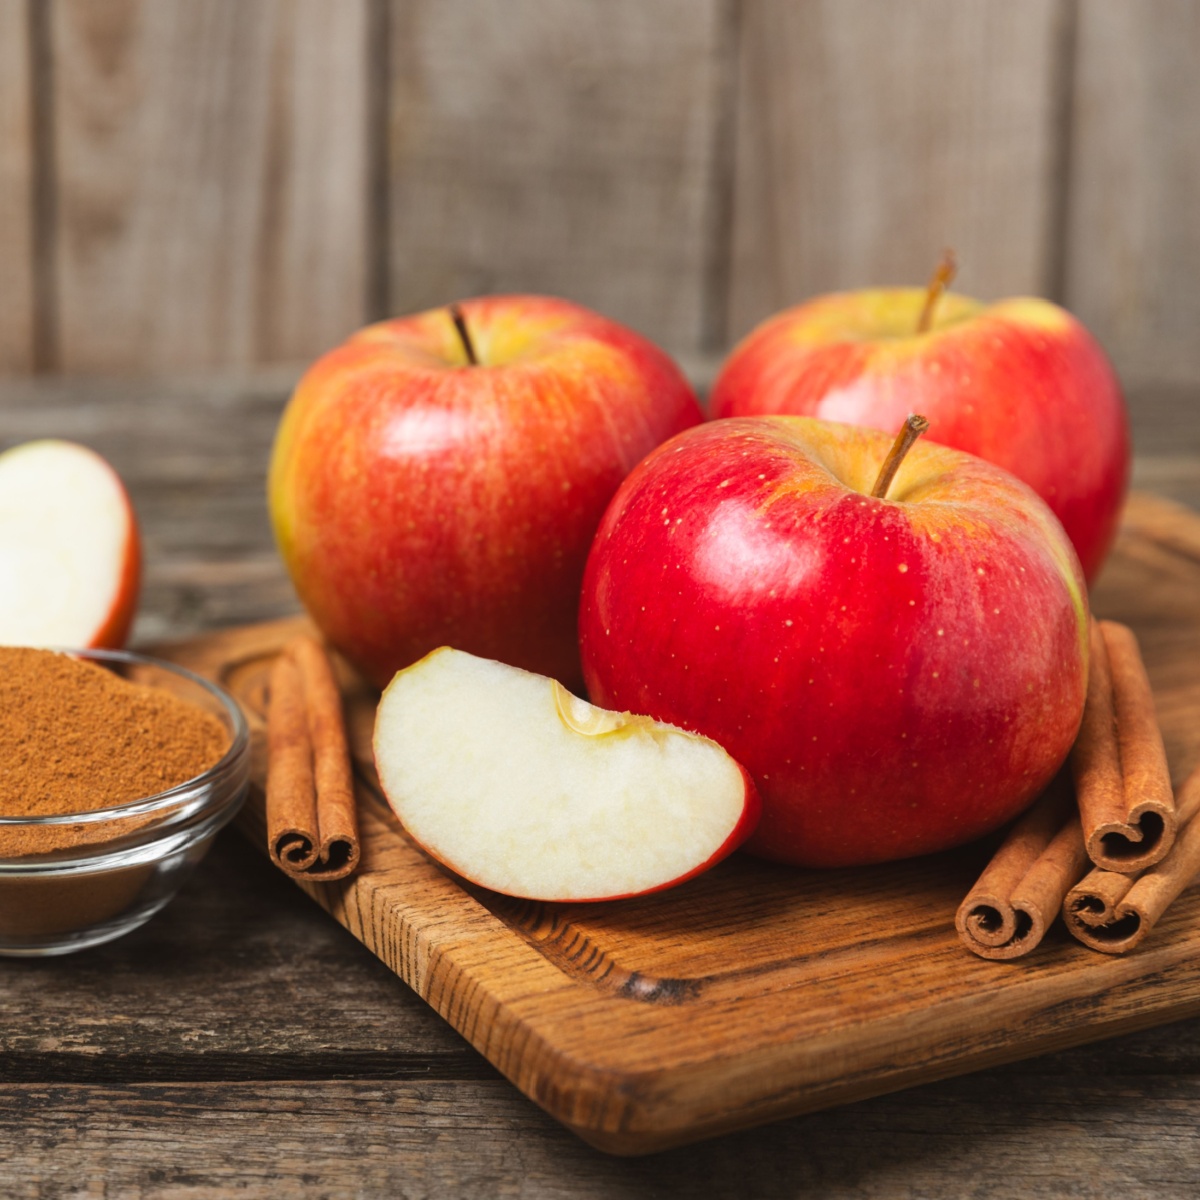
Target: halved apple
515,784
70,551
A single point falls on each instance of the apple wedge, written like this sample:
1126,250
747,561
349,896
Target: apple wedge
70,551
515,784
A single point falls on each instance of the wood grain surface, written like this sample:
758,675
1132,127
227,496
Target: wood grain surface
243,1043
211,173
189,183
1065,1131
1133,243
871,135
546,146
16,190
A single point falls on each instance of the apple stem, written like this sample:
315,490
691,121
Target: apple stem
460,323
942,277
912,429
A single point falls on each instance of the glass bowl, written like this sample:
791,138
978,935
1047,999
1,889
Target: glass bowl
116,867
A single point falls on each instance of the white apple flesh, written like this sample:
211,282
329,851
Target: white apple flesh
515,784
70,552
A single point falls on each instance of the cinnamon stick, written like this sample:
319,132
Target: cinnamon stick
1015,900
291,794
1119,765
1113,912
312,830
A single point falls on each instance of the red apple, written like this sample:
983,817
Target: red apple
520,786
70,551
432,487
898,675
1020,383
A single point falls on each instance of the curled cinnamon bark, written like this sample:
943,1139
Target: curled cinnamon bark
291,795
336,815
1118,763
1015,900
1114,913
312,828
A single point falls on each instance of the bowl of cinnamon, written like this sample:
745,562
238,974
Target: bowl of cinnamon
116,772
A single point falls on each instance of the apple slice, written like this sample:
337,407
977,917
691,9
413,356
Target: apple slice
70,552
512,782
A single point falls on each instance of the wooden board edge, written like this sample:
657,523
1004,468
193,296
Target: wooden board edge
639,1143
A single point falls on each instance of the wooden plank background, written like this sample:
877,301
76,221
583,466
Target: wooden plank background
16,189
209,183
871,134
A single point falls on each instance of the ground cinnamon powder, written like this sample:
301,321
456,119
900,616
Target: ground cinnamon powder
75,737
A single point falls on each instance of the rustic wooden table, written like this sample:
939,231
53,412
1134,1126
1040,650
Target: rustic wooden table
242,1043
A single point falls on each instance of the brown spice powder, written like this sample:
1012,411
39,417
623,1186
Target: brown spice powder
74,738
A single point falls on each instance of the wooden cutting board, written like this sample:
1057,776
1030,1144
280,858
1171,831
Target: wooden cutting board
757,991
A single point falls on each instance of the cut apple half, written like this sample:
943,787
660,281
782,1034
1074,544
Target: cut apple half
515,784
70,552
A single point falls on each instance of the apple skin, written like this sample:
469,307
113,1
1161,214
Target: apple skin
421,501
899,676
1020,383
113,632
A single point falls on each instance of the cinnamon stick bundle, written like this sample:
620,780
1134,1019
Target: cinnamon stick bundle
1126,822
1119,765
1114,913
1015,900
312,828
